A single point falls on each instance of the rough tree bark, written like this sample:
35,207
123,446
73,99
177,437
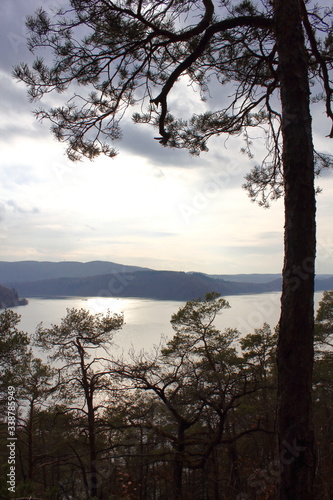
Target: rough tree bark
89,397
295,344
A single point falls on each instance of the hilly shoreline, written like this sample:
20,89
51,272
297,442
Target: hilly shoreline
108,279
161,285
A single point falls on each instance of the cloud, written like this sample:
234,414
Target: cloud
17,117
15,175
2,211
138,139
270,235
22,210
13,32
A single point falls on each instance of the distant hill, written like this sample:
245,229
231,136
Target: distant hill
31,270
323,284
10,298
247,278
257,278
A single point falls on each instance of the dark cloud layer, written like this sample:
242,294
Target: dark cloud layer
13,32
139,140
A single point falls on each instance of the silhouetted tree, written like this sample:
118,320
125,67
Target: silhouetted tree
13,347
323,393
80,342
34,383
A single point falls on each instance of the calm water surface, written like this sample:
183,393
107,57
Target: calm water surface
147,322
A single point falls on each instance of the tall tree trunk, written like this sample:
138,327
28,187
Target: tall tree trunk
178,462
88,388
92,448
295,345
30,429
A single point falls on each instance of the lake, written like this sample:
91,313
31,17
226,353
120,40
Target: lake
147,321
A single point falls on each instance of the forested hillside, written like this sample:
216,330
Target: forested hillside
9,298
164,285
196,420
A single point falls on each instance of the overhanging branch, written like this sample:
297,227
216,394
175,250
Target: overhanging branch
222,26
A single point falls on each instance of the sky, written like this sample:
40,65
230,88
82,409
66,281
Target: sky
150,206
